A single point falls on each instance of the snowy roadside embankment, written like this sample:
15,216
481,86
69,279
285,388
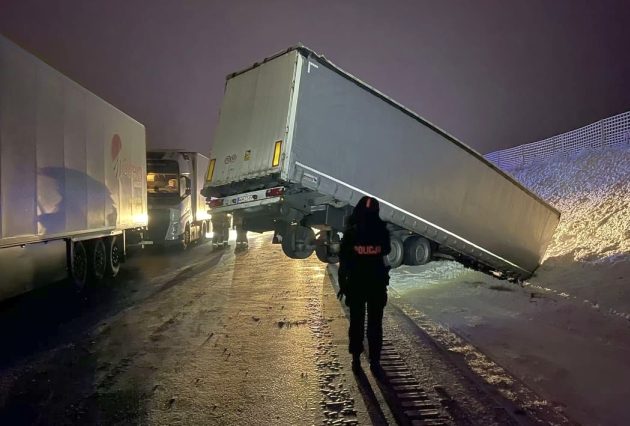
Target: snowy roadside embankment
592,191
588,258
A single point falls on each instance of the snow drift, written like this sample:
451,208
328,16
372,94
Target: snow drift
592,191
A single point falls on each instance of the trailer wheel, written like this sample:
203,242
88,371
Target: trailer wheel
324,251
395,257
298,242
114,255
97,255
417,250
79,265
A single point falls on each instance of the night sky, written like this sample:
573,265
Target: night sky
493,73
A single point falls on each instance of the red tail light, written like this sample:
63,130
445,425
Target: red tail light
275,192
215,202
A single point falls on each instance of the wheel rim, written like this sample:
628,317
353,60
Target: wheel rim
115,255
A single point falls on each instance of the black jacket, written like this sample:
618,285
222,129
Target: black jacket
364,245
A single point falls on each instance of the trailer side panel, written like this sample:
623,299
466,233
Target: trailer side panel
346,132
70,163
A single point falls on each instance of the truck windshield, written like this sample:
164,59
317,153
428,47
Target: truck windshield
162,177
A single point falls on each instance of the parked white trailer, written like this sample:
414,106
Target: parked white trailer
72,177
177,210
299,141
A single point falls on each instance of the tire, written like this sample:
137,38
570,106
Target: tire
323,252
79,265
185,243
298,242
114,255
97,259
417,251
395,257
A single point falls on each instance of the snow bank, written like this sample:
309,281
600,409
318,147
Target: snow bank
592,191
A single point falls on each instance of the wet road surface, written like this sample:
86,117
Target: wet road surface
217,337
201,337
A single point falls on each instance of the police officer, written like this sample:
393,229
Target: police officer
363,278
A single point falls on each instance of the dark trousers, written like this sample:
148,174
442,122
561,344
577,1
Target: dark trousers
375,305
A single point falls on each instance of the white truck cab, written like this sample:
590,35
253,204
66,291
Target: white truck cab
177,211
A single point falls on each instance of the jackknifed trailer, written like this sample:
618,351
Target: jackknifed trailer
300,141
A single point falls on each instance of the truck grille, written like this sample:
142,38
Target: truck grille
158,224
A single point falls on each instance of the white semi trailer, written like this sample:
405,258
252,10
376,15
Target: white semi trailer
300,141
177,210
72,177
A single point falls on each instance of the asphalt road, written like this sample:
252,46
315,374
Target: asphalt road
217,337
199,337
47,333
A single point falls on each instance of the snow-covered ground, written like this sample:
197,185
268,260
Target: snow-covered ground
566,332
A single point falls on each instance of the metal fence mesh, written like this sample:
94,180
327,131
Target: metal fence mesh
614,130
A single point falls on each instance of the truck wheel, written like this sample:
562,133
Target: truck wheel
97,255
324,251
298,242
395,257
324,255
417,250
186,238
79,265
114,255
